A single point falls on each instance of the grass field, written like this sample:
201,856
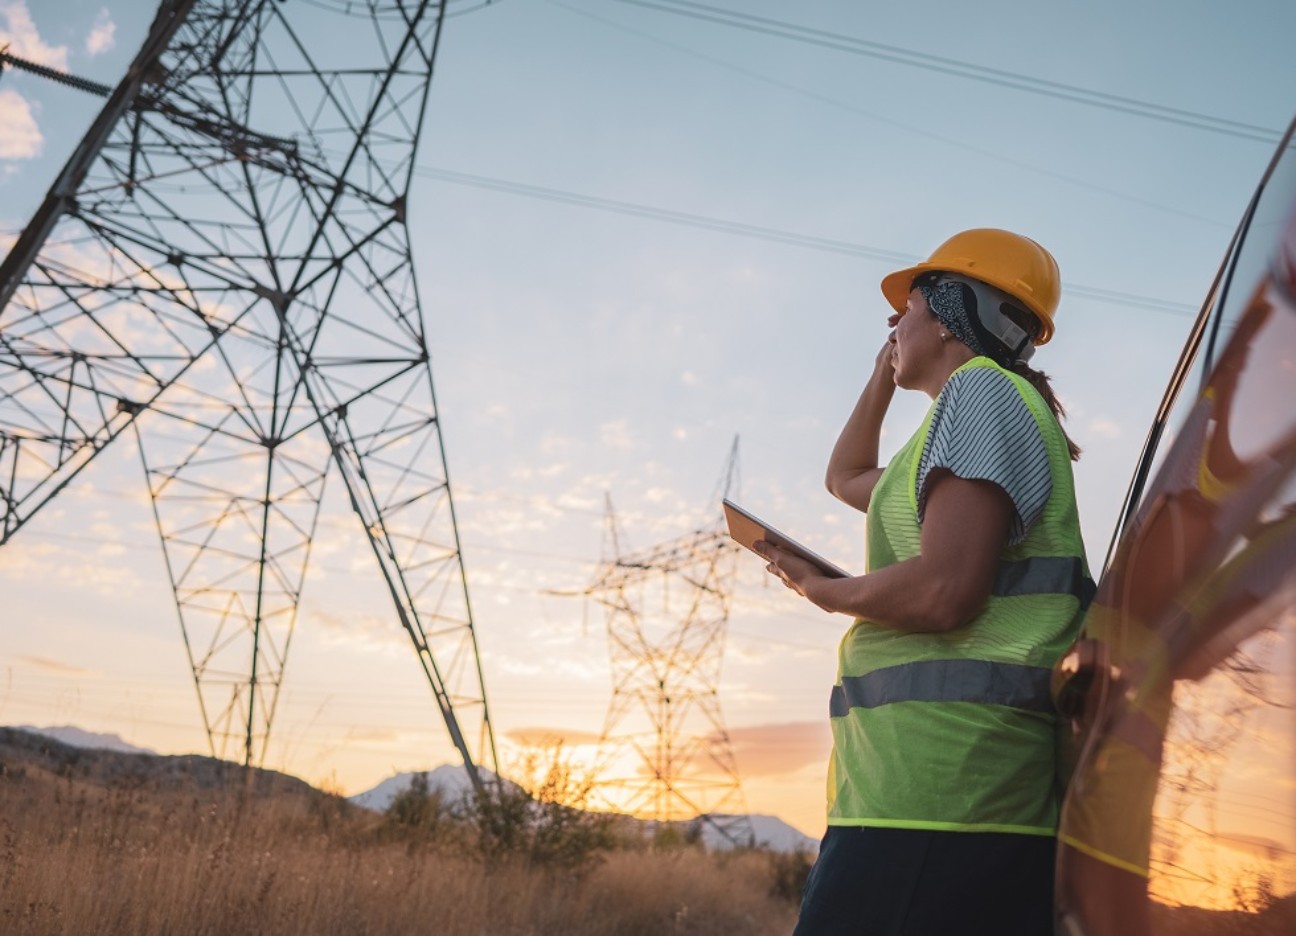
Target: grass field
88,848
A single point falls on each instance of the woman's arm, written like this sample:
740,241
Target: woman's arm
944,587
853,469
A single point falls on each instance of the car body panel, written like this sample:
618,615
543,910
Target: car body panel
1180,813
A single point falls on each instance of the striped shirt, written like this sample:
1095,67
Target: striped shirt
982,429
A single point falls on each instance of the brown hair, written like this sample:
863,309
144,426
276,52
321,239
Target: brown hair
1040,381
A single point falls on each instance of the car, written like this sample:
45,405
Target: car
1179,698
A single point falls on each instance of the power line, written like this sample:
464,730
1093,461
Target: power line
741,229
472,9
899,55
949,141
388,12
663,214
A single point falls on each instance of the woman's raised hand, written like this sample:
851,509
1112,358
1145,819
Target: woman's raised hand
884,365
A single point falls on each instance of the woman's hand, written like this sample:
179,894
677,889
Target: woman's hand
884,365
791,570
853,467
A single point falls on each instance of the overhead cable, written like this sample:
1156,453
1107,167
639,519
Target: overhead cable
1033,85
741,229
662,214
853,108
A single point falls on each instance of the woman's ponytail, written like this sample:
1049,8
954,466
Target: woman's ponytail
1040,381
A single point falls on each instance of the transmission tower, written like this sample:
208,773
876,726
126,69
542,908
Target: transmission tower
223,267
667,609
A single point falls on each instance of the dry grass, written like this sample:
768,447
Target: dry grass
77,857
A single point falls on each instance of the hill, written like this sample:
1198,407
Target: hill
26,754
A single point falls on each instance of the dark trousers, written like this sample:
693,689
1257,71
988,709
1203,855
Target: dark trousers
888,882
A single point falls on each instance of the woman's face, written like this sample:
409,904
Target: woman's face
916,344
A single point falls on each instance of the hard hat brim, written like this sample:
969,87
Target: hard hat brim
897,286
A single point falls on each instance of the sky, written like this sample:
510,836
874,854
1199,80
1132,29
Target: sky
639,235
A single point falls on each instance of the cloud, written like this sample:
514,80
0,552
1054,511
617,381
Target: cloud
20,138
1105,427
54,666
767,750
101,37
372,733
551,737
515,667
359,630
19,33
616,435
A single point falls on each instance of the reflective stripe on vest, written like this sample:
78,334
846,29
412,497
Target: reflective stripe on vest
1011,684
1044,575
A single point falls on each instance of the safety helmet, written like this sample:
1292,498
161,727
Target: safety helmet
1013,263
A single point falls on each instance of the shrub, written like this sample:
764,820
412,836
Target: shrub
788,873
418,813
544,820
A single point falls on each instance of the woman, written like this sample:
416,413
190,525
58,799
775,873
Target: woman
942,797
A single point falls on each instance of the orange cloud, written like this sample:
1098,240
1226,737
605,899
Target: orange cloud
54,666
548,737
767,750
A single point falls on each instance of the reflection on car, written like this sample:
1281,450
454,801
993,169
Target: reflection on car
1180,814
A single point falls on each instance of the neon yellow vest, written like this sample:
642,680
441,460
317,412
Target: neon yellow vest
955,731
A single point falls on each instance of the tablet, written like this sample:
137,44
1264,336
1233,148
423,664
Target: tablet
746,530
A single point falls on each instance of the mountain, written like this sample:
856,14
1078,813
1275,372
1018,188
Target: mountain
449,780
771,832
80,738
452,781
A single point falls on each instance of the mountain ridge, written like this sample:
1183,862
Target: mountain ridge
108,760
451,781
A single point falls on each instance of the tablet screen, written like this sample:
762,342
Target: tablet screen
747,529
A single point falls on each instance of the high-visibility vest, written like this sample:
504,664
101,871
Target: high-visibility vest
956,730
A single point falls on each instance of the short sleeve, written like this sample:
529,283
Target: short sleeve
982,429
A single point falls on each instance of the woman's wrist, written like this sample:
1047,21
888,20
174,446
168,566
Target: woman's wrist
881,385
820,590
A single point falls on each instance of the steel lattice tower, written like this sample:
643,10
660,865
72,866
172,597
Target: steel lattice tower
667,611
223,266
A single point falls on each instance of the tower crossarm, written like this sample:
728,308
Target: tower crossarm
170,17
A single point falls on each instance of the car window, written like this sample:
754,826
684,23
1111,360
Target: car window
1256,250
1247,259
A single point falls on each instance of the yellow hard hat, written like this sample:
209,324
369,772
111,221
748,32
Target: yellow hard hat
1016,264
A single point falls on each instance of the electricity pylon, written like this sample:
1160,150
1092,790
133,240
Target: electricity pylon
667,610
223,266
